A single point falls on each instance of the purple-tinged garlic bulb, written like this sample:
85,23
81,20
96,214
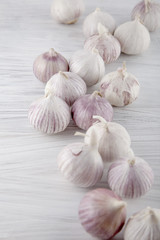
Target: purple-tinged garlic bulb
130,177
49,114
108,46
120,88
89,65
88,105
81,163
113,139
133,37
102,213
49,63
66,85
90,24
149,13
67,11
143,225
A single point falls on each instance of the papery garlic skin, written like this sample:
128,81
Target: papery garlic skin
66,85
49,63
133,37
67,11
88,105
102,213
90,24
130,178
49,114
149,13
88,65
108,46
120,88
144,225
113,139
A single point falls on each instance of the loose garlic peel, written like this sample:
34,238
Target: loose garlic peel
144,225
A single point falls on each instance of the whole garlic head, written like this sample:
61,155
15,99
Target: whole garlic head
81,163
108,46
144,225
130,178
49,114
133,37
49,63
90,24
113,139
88,65
66,85
67,11
102,213
149,12
88,105
120,88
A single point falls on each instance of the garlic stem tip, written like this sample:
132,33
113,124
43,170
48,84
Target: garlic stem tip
80,134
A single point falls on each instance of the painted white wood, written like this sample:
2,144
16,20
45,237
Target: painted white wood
35,201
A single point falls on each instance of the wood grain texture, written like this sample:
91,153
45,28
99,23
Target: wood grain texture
35,201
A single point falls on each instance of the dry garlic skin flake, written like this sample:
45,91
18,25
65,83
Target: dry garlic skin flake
133,37
149,13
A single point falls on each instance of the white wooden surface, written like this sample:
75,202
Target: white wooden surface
35,201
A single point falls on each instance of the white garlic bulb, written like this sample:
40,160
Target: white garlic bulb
149,12
130,177
133,37
120,88
113,139
81,163
66,85
108,46
49,114
88,65
102,213
67,11
49,63
91,22
88,105
144,225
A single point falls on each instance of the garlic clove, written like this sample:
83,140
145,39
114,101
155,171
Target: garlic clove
113,139
130,178
88,105
102,213
90,24
66,85
120,88
108,46
49,114
149,12
133,37
88,65
49,63
67,12
144,225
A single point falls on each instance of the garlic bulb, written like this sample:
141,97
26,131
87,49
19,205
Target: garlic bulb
88,105
66,85
133,37
49,63
149,12
130,178
120,88
88,65
108,46
67,11
49,114
81,163
102,213
113,139
144,225
91,22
